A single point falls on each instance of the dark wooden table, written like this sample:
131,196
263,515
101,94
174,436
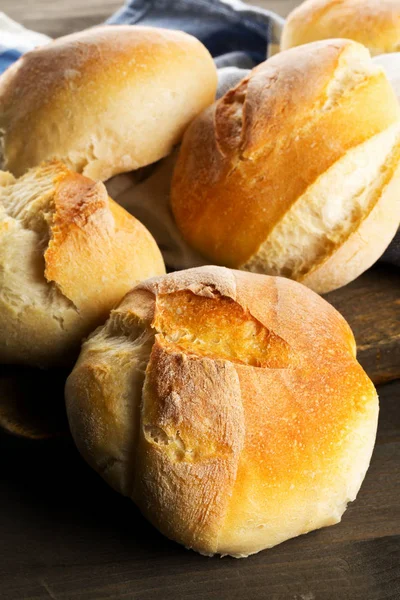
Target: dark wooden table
65,535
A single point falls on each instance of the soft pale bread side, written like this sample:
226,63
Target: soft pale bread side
228,405
374,23
68,254
277,175
356,199
105,101
363,247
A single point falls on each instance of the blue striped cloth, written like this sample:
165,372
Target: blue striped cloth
235,33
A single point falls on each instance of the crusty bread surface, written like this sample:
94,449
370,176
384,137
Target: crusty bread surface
284,170
105,101
68,254
228,405
374,23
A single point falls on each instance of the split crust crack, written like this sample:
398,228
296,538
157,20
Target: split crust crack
220,329
28,204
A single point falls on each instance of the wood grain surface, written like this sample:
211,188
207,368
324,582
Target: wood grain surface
371,305
65,535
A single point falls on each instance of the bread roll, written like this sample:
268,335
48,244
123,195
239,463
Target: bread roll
228,405
104,101
374,23
295,171
68,254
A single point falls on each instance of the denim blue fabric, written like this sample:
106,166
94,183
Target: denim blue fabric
7,57
224,26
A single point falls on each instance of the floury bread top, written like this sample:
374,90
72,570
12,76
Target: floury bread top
228,405
374,23
68,254
295,171
105,101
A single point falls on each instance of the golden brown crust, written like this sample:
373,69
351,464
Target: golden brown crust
204,281
67,211
111,368
96,231
247,160
223,329
188,450
105,101
363,246
299,445
232,454
68,254
376,24
297,315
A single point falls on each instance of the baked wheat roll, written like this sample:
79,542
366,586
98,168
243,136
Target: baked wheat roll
228,405
104,101
68,254
295,171
374,23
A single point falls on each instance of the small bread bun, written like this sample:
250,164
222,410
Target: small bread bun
68,254
228,405
374,23
104,101
295,171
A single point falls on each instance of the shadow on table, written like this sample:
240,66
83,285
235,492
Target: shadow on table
59,519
